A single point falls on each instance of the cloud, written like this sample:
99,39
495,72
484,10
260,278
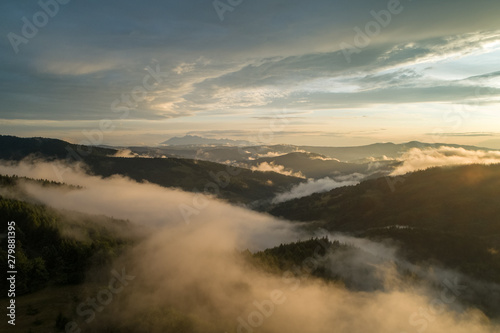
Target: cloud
145,204
125,153
467,134
379,74
312,186
420,159
193,274
254,59
261,58
269,154
272,167
323,158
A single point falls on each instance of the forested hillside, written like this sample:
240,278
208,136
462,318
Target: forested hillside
57,248
462,199
445,215
234,184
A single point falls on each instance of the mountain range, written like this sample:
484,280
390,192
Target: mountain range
192,140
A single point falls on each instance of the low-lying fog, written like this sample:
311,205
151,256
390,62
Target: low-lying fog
190,262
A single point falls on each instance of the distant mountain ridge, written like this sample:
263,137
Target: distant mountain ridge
388,149
188,174
192,140
225,151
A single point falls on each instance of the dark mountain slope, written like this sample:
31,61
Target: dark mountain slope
446,215
463,199
14,148
244,186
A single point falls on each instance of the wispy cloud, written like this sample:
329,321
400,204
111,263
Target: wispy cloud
312,186
272,167
466,134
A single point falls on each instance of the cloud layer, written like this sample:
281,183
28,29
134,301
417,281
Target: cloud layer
165,61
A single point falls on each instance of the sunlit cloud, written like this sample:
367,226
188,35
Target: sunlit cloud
421,159
272,167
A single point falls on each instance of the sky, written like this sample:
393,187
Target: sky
322,72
